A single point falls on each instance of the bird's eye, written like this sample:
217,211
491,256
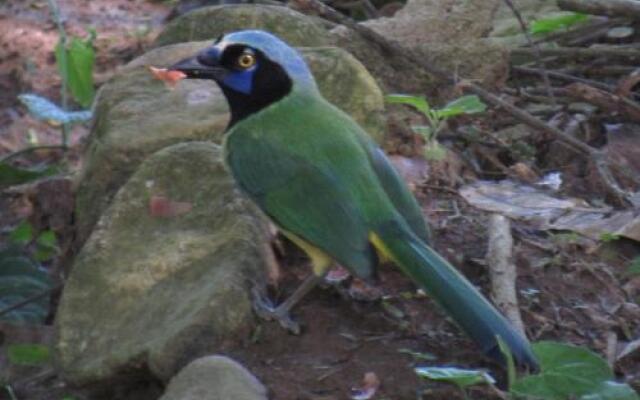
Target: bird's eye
246,60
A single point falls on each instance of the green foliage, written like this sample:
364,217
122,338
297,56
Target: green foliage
21,275
634,267
10,175
570,372
75,65
22,234
22,278
511,365
28,354
457,376
436,117
554,24
609,237
611,391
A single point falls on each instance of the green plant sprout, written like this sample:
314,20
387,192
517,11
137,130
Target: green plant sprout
553,24
436,118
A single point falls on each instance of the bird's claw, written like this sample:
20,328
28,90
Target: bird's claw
266,310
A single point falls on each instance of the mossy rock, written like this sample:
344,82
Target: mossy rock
209,23
166,275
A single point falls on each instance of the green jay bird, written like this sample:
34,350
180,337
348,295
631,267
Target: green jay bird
327,186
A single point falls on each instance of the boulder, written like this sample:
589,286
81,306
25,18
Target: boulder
136,115
210,22
165,276
214,378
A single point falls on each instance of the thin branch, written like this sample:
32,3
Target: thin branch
563,76
30,149
536,48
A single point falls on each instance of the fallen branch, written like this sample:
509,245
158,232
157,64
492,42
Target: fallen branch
610,8
609,102
502,270
608,52
562,76
397,51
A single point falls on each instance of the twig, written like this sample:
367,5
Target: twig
536,48
610,8
562,76
610,102
395,50
579,52
30,149
502,270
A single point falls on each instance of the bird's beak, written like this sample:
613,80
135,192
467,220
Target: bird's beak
194,69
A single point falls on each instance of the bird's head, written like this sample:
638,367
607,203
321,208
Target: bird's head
253,68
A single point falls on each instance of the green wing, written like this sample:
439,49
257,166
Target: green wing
400,195
302,198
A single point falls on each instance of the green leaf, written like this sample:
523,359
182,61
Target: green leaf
22,234
553,24
418,102
511,365
28,354
20,279
78,72
608,237
43,109
10,175
634,268
612,391
459,377
566,371
464,105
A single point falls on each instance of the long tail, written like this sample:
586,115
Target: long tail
461,300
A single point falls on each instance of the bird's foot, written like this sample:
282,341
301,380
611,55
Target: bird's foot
265,309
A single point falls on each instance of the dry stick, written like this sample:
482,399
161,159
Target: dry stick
563,76
536,49
396,50
610,8
606,101
502,270
580,52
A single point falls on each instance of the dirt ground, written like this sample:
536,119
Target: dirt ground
574,293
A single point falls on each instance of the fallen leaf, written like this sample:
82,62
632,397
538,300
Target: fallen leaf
370,385
160,206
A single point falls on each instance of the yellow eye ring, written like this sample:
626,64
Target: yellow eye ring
246,60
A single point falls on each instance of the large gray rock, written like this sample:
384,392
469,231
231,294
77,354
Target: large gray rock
214,378
210,22
136,115
448,34
165,275
422,22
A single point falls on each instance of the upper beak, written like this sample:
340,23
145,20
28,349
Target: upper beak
194,69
